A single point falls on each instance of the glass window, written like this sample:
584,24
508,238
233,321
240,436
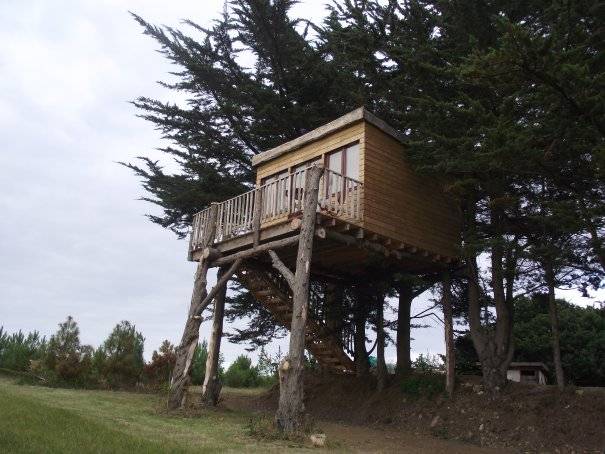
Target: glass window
345,161
352,161
335,161
274,177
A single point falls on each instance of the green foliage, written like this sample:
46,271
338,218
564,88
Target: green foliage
423,384
582,340
122,357
158,371
198,367
241,374
18,350
66,361
428,363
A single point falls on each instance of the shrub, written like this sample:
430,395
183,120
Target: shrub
241,374
428,363
66,361
122,356
425,384
17,350
159,370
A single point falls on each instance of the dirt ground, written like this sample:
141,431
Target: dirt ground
524,418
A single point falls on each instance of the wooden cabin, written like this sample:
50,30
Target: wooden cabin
368,192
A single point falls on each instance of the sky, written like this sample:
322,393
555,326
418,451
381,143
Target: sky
74,239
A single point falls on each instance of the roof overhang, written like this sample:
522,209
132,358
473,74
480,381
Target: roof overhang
349,119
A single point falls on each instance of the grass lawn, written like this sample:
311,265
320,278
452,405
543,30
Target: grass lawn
39,420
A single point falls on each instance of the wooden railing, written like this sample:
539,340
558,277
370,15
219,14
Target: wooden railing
339,196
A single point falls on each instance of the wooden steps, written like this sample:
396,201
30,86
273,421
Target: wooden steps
273,295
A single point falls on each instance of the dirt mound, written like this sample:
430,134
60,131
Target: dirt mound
523,417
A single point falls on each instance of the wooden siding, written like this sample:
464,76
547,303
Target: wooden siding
350,134
402,205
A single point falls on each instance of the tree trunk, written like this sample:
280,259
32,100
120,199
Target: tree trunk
554,326
290,413
211,389
450,365
404,361
362,366
494,358
381,365
181,374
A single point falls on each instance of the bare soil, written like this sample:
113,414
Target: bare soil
526,418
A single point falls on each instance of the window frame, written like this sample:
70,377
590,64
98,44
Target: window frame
343,166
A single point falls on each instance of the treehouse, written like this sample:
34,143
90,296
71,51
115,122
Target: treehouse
371,204
338,202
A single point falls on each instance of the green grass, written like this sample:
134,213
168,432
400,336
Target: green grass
35,419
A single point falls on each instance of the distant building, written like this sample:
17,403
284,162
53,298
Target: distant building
526,372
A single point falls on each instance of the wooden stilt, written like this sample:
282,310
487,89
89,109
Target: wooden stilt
212,386
449,334
290,412
184,352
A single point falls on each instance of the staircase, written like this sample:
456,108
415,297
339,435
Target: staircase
271,292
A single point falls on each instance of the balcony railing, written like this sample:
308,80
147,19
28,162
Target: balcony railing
339,196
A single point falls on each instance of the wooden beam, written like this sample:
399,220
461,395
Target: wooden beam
256,217
220,283
277,244
282,268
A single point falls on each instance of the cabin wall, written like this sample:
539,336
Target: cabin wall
402,205
316,149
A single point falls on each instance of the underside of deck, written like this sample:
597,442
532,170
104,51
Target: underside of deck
340,249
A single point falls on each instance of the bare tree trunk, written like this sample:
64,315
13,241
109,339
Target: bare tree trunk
494,359
494,345
290,413
554,326
450,365
404,361
381,365
181,374
211,389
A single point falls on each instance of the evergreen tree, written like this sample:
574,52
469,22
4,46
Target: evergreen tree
123,355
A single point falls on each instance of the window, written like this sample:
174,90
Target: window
345,162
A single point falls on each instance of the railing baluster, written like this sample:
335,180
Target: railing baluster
339,196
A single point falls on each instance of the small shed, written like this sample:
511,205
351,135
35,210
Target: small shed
527,372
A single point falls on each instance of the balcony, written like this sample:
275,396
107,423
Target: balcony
276,203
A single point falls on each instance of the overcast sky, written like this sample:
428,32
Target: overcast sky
73,236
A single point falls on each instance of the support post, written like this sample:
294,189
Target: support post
256,216
290,413
211,388
450,364
181,374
